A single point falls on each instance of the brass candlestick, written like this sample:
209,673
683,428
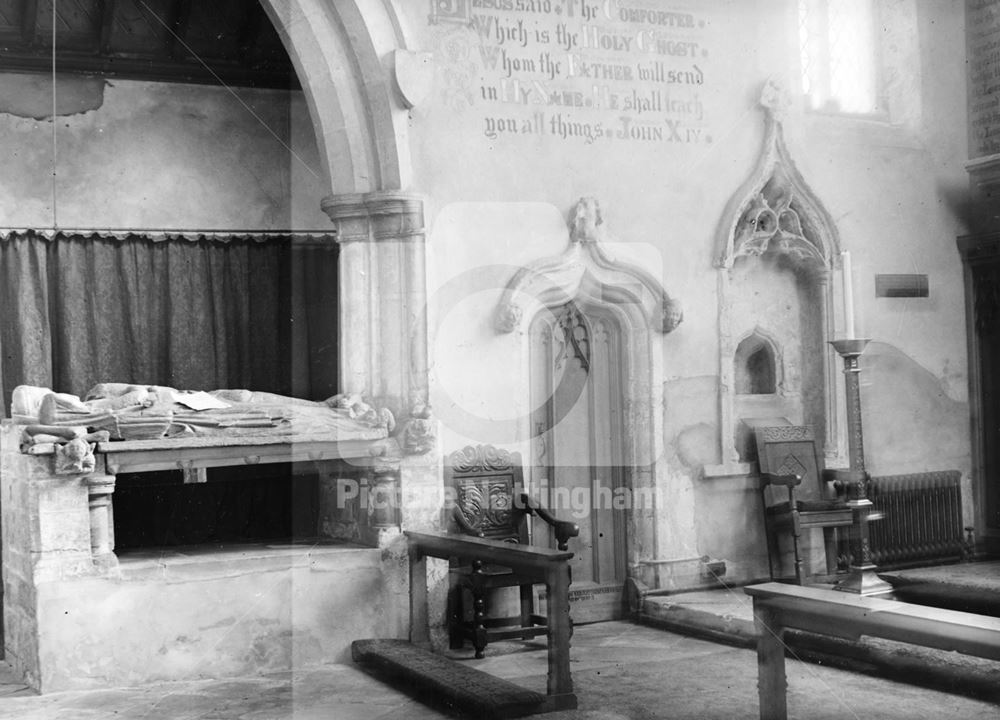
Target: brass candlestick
861,576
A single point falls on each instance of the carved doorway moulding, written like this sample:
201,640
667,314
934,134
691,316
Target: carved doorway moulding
586,278
775,213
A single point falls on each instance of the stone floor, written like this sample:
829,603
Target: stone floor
620,671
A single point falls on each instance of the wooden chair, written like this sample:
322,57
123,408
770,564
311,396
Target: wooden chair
790,470
489,502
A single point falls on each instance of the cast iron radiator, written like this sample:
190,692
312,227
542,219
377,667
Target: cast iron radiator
922,518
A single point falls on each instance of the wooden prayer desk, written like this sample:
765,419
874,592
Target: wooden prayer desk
777,607
550,567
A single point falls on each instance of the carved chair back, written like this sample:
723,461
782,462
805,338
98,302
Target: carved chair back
791,450
487,486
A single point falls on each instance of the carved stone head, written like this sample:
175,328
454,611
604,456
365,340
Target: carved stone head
507,317
672,315
774,98
74,458
586,218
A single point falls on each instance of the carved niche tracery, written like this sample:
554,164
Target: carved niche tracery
572,338
775,216
775,210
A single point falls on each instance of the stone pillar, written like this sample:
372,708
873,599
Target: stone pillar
383,491
356,291
383,355
383,298
379,521
102,544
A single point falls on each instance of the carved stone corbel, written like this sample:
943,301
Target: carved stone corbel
672,315
75,457
419,434
508,317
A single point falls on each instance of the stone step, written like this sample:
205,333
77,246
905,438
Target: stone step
437,680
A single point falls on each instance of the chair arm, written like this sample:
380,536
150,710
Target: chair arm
564,530
843,479
834,476
789,481
459,516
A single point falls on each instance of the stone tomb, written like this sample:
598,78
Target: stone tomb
78,617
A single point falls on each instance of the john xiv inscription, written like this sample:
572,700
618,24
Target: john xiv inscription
578,70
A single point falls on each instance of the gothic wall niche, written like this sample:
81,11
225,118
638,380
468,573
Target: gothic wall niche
755,366
777,373
775,252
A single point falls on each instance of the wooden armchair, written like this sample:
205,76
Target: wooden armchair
489,502
795,496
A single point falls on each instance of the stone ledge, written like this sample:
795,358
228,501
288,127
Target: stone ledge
728,470
183,565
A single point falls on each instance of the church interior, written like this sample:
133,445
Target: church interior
410,334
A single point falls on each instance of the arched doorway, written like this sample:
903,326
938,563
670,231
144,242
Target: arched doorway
577,385
590,351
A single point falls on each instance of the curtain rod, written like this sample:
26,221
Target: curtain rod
160,231
300,237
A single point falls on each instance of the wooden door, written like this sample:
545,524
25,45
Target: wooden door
981,259
578,470
986,278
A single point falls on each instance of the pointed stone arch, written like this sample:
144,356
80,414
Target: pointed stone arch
776,216
775,210
360,81
337,50
750,344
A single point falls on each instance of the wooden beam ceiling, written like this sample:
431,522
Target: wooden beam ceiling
216,42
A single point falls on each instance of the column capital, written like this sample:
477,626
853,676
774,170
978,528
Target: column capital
376,216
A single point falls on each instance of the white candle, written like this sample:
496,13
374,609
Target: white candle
845,258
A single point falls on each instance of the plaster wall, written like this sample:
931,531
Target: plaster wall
129,154
773,301
496,192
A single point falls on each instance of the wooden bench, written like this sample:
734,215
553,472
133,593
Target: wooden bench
778,607
541,565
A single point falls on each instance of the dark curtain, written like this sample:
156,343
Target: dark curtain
201,313
193,314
